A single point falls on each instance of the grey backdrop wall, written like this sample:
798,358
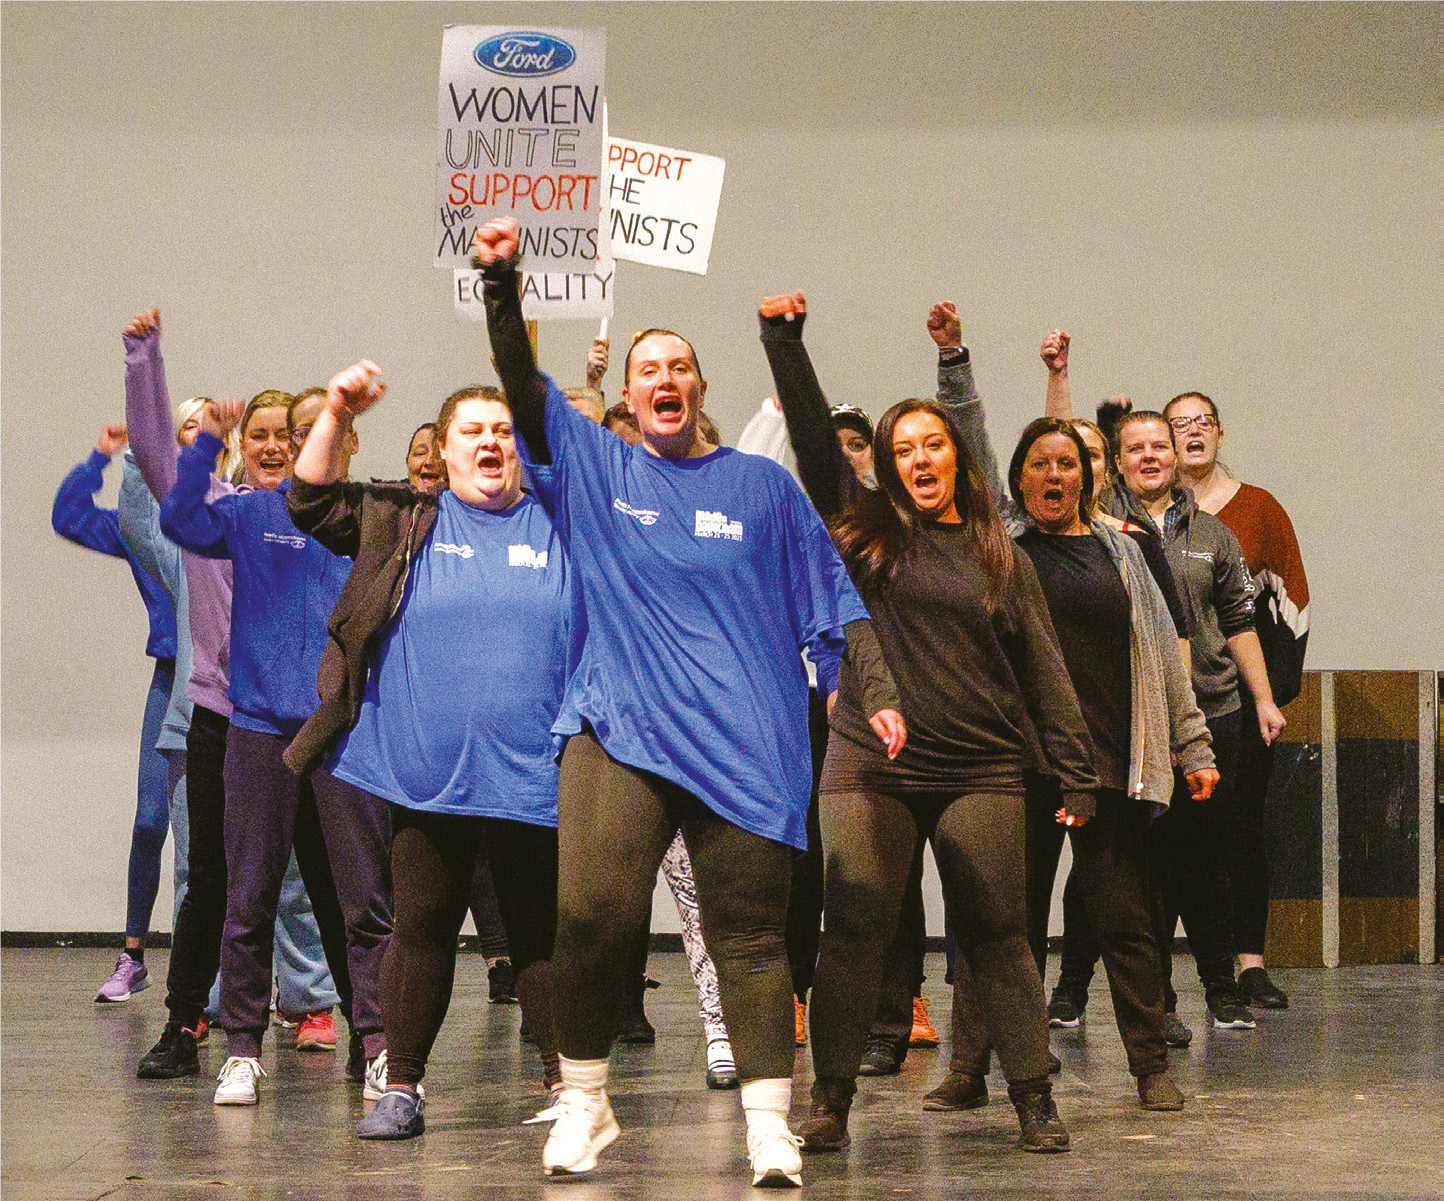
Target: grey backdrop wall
1237,198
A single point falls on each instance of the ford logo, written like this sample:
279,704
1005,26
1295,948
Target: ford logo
524,54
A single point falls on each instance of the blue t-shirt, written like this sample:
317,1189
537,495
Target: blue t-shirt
469,677
698,580
285,586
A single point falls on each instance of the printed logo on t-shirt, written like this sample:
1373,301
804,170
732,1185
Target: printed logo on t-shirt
716,525
294,541
1205,555
449,548
645,516
524,556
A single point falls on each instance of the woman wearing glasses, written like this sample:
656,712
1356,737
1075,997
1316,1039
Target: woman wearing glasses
1281,619
285,586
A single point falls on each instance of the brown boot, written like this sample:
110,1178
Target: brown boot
957,1092
826,1129
1158,1092
1042,1128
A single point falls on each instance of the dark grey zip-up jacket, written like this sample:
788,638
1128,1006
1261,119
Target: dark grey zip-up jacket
1214,584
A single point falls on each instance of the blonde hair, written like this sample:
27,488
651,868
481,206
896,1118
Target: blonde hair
228,463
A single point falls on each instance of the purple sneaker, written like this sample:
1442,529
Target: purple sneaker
129,976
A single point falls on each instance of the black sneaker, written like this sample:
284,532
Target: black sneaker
1064,1013
957,1092
172,1057
1256,989
1175,1033
880,1058
636,1029
501,983
1228,1012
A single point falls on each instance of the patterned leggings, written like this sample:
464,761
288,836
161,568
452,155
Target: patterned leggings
677,869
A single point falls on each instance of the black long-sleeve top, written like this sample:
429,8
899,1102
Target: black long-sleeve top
970,680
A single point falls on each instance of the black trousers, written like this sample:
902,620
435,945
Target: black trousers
804,904
195,955
871,840
902,966
1247,846
616,823
433,862
1188,870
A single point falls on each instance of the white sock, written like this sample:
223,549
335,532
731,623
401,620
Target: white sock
767,1102
589,1075
719,1054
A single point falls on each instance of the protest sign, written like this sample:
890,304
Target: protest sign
664,204
544,297
520,134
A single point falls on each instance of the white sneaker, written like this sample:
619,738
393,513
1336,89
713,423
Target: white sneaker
238,1081
373,1087
772,1149
584,1125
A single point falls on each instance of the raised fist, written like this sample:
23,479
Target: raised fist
598,358
789,306
1054,351
220,417
351,392
943,325
143,324
495,242
112,439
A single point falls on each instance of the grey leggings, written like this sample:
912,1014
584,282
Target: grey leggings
616,824
869,839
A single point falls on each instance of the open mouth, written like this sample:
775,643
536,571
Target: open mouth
268,464
1053,495
667,406
489,462
1194,446
924,482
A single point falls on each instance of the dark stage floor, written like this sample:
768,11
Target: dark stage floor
1338,1097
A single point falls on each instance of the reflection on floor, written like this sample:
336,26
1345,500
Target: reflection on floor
1338,1096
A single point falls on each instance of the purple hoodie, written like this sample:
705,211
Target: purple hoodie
208,581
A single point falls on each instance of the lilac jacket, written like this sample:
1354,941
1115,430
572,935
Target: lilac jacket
208,581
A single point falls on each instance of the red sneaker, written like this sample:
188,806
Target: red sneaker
316,1032
203,1031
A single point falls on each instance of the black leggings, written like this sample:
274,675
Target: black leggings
804,905
433,859
870,839
1247,851
616,825
1188,867
1110,879
490,933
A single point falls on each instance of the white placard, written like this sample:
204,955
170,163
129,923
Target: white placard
664,204
549,297
519,134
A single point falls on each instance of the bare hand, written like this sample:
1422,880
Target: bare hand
495,242
943,324
144,324
1115,407
1271,722
351,392
1201,783
831,701
1064,818
598,359
888,725
222,416
1054,351
787,306
112,439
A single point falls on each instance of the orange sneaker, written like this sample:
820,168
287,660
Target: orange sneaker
923,1034
203,1031
316,1032
799,1022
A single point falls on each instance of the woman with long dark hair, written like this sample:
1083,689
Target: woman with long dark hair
1118,643
965,633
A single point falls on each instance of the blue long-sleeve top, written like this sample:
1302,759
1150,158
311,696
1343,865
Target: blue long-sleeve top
285,586
76,517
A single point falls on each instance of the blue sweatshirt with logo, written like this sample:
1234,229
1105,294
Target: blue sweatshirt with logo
285,586
76,517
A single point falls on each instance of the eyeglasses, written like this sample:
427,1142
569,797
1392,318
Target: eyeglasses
1203,421
298,436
